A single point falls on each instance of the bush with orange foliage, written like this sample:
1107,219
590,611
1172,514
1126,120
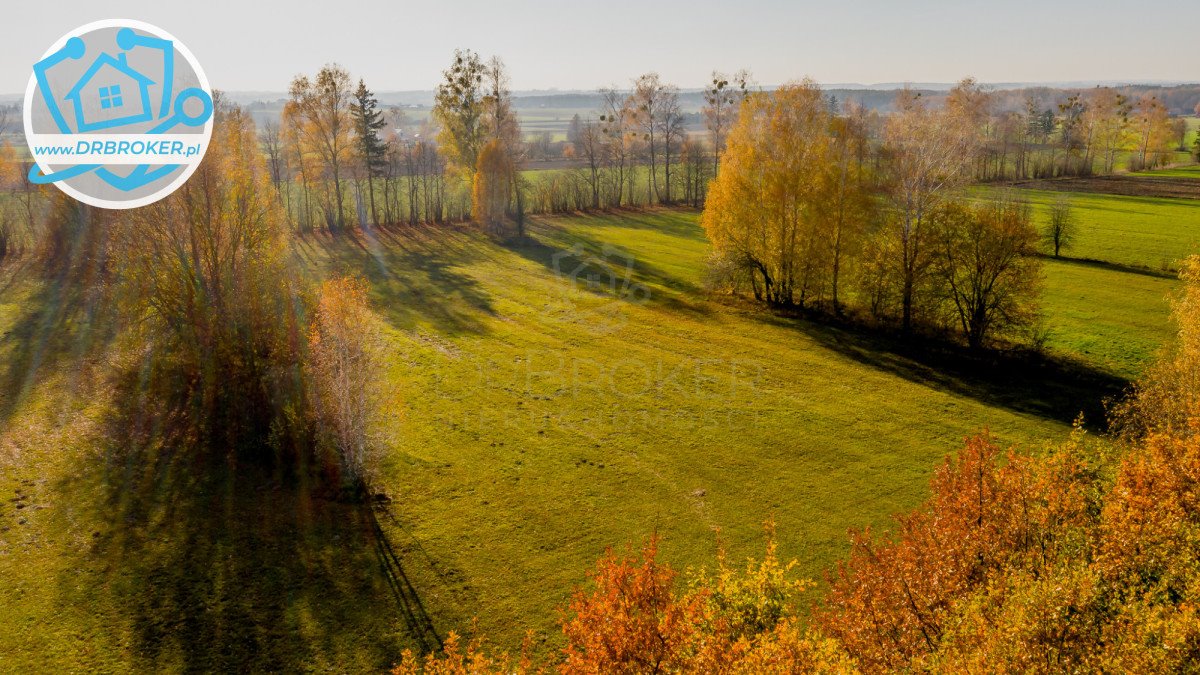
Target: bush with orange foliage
1033,564
638,618
635,620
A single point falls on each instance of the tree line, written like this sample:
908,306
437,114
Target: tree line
337,158
808,210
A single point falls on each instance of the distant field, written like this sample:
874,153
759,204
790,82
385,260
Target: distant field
1111,308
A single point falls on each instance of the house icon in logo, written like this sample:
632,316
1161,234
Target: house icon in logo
112,93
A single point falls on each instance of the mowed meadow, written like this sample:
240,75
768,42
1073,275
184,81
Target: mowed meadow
545,399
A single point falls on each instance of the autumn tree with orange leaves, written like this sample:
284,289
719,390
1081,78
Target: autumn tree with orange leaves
344,361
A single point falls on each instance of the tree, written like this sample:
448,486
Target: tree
984,257
502,126
1179,129
372,151
1153,128
660,123
590,146
850,204
320,108
616,123
1105,127
672,134
343,344
761,209
458,108
272,144
721,107
204,276
1060,230
491,186
929,154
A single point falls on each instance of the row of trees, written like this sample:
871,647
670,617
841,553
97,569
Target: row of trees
1084,133
635,151
466,160
805,205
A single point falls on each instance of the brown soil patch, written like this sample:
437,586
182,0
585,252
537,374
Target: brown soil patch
1129,186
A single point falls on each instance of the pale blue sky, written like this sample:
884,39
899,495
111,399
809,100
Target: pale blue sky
249,44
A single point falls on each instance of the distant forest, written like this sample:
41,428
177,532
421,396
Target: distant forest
1179,99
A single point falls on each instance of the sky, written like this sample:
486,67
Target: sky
246,45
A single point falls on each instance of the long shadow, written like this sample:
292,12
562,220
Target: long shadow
590,264
238,559
415,272
1028,383
65,316
1112,266
665,221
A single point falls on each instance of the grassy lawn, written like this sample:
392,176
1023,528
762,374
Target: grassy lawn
541,413
1190,171
1110,317
1148,232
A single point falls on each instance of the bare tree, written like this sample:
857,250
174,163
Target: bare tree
722,100
1060,231
590,146
653,103
929,155
616,123
272,145
670,119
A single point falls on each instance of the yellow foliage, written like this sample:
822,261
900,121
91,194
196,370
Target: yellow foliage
492,186
762,208
344,362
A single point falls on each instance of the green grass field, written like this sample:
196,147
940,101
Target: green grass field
548,399
1112,318
1145,232
1107,302
540,419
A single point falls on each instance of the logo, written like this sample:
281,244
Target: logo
608,278
118,114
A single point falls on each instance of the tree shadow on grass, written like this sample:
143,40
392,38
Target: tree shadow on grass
416,269
1023,382
1114,267
662,220
63,318
239,559
589,264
